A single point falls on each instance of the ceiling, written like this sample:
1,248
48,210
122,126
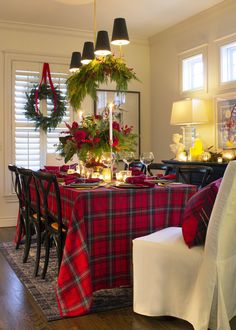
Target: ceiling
144,18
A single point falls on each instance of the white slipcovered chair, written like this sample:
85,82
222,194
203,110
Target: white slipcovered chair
197,284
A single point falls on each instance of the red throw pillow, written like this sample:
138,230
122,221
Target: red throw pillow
197,214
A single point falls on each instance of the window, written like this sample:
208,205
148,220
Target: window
32,146
228,62
193,71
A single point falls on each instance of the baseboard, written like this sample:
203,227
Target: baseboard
8,222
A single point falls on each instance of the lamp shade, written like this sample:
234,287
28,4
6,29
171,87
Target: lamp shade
88,52
120,33
75,63
189,112
102,44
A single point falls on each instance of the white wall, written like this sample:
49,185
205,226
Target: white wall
27,39
205,28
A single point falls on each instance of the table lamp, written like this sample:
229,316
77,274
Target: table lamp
188,113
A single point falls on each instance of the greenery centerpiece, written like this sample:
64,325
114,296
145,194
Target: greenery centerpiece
87,80
90,139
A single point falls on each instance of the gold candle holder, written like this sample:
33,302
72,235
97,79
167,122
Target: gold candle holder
106,174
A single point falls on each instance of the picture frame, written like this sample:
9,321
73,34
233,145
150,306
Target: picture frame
226,121
126,110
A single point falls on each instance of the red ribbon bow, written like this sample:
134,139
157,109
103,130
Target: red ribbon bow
46,73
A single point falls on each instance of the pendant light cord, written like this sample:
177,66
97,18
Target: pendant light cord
94,21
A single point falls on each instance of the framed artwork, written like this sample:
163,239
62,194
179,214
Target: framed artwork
226,121
126,108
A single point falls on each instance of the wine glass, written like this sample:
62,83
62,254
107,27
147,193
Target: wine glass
146,159
108,159
128,157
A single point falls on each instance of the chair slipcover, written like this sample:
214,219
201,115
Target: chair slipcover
197,284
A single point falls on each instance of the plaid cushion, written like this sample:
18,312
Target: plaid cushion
197,214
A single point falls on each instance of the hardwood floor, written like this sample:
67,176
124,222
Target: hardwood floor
19,311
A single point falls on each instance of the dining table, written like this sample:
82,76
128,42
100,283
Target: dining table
102,221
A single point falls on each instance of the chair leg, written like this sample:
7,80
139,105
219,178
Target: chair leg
38,251
47,252
27,242
21,225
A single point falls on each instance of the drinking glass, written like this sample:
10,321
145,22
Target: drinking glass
108,158
146,159
128,157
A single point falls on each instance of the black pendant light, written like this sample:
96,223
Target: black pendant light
102,48
88,52
120,33
102,44
75,63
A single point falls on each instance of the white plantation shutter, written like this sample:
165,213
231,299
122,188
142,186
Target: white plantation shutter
30,145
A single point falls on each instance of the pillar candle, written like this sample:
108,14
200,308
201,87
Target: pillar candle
110,124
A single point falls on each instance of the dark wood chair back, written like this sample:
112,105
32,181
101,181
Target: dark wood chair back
16,183
198,175
46,183
136,164
49,192
161,168
25,179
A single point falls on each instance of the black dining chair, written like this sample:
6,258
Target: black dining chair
159,168
136,164
34,221
193,174
55,230
18,190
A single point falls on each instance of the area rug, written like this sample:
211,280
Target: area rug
43,291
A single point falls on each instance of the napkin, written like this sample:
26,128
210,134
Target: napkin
51,169
169,176
140,179
65,168
136,171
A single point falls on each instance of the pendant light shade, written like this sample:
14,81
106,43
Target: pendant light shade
120,33
102,44
75,63
88,52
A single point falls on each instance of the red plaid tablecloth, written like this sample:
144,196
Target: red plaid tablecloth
101,225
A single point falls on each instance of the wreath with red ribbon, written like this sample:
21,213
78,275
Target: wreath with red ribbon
44,91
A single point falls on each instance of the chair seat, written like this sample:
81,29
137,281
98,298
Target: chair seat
169,237
35,217
54,225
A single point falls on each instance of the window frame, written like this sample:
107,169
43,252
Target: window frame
221,42
9,90
188,54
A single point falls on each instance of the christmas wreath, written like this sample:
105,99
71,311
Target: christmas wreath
43,91
87,80
32,113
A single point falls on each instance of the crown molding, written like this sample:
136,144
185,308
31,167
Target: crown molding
57,30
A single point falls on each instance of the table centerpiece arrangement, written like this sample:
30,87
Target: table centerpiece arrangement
90,139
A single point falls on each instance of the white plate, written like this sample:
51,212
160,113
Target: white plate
82,184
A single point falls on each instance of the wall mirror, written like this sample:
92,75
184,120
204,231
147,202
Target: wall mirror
126,110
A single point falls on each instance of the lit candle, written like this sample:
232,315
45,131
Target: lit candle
106,174
110,124
80,116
